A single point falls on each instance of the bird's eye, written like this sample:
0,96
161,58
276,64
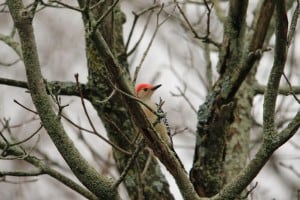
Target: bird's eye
145,89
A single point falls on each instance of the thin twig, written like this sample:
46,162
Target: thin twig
208,18
33,9
196,68
91,123
250,191
107,98
28,138
77,126
182,94
291,88
5,140
94,153
89,131
64,5
179,75
158,25
129,163
10,63
18,182
26,108
112,123
290,168
147,164
44,168
190,26
136,17
96,4
21,173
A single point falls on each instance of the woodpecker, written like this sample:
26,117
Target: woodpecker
144,92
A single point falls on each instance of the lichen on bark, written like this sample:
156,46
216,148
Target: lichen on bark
114,112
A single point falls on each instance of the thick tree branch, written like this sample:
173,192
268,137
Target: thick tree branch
161,150
115,112
240,72
55,87
101,186
216,114
244,178
272,140
277,70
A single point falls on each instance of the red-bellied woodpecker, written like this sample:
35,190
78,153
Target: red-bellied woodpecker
156,115
144,92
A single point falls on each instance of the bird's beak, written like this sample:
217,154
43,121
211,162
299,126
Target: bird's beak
155,87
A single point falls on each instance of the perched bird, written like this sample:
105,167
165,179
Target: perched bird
144,92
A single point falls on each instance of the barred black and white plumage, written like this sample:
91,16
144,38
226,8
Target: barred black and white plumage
164,119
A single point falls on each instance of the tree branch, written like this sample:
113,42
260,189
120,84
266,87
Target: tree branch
43,168
244,178
283,90
56,87
20,173
161,150
158,25
216,114
101,186
272,141
135,20
240,72
276,72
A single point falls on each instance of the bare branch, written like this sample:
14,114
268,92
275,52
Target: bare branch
10,63
129,163
291,88
203,38
276,72
4,179
26,108
43,168
158,25
63,5
271,141
26,139
291,168
91,123
260,89
240,182
161,150
293,25
21,173
182,94
136,17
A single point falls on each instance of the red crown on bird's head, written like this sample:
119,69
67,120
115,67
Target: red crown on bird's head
141,86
